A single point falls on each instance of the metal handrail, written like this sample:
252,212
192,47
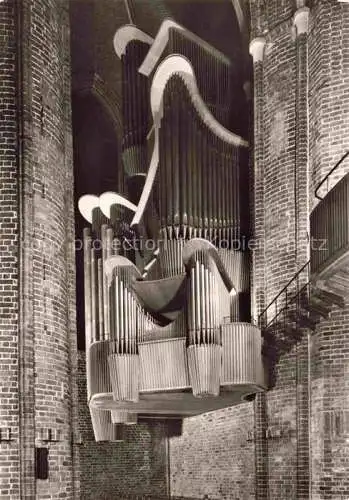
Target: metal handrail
284,290
295,278
328,175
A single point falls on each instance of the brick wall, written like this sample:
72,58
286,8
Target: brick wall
329,139
54,342
279,157
318,388
214,457
279,79
9,452
282,467
329,415
37,335
136,467
328,83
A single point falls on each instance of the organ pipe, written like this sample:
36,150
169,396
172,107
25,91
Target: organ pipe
94,296
87,287
202,171
211,68
135,103
100,299
203,321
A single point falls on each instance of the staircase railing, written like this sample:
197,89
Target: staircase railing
330,230
289,297
326,179
297,305
283,320
329,223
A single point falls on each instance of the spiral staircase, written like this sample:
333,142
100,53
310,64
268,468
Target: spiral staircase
322,284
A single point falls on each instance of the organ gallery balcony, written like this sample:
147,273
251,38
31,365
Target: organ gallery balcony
329,228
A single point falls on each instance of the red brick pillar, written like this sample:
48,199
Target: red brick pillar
257,47
302,247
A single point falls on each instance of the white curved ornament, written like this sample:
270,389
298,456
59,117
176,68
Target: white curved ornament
180,65
118,261
171,65
158,46
151,262
87,204
148,185
195,245
233,292
139,174
238,7
109,198
125,35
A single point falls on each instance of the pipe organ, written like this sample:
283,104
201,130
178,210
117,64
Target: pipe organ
166,277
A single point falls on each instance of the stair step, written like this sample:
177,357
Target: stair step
337,288
340,280
343,271
280,327
282,339
314,309
303,321
318,308
293,332
330,298
312,306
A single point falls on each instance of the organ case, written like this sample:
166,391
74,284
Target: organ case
168,330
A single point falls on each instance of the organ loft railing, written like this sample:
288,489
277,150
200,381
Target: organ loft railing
168,330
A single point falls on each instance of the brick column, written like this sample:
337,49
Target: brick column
329,135
257,46
257,51
37,288
300,21
9,276
302,247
